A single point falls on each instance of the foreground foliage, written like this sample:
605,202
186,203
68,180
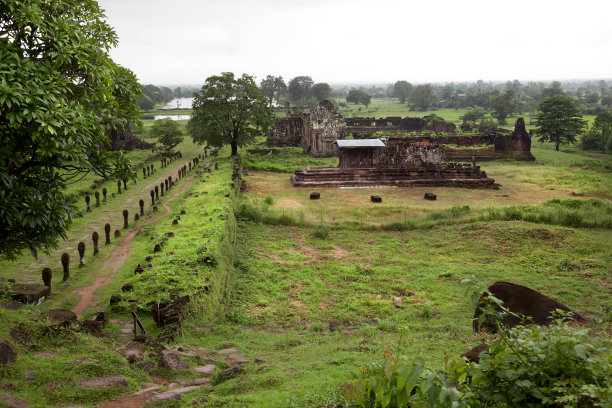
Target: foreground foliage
525,366
59,94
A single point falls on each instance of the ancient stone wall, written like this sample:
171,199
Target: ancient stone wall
364,128
326,126
288,131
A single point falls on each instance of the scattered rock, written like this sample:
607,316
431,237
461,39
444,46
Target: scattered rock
128,287
157,248
99,382
62,317
474,354
206,370
13,402
172,361
200,381
430,196
147,365
29,375
149,258
115,298
7,353
133,351
237,358
172,395
229,351
230,373
7,386
399,302
154,388
376,199
315,196
93,327
29,292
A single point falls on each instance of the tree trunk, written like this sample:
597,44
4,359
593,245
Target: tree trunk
235,148
557,146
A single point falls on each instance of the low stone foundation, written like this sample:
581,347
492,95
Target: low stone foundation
445,175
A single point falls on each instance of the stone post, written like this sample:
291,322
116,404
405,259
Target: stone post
119,186
144,173
97,195
161,189
87,200
141,203
156,193
104,191
107,230
66,265
47,274
148,170
152,197
81,249
125,184
94,238
166,184
125,219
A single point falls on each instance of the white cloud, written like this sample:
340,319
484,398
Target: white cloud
363,41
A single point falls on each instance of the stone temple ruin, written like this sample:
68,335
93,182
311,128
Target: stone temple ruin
125,139
316,132
393,161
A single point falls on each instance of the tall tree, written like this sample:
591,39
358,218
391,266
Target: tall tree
401,90
321,91
299,88
502,105
167,132
558,120
229,110
600,134
422,97
60,93
358,96
273,87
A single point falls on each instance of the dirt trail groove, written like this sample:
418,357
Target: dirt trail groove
118,258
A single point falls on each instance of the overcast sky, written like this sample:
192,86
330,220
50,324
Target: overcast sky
354,41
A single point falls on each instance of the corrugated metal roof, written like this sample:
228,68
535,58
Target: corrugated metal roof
359,143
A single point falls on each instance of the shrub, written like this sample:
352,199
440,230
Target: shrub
269,200
321,233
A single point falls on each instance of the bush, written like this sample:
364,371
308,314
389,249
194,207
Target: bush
528,366
269,200
321,233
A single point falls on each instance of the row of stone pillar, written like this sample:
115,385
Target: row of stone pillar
47,273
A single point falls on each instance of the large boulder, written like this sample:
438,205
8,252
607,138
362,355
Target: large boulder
61,317
522,301
29,292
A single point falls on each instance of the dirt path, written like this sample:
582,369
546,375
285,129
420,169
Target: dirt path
117,259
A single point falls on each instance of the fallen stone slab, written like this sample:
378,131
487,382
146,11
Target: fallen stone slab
237,358
14,402
230,372
145,391
200,381
172,361
206,370
228,351
99,382
172,395
29,292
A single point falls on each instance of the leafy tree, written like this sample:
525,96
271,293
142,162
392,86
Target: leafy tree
600,134
473,114
554,89
299,88
401,90
357,96
558,120
229,110
145,103
273,87
502,106
606,101
321,91
592,97
60,93
422,97
167,132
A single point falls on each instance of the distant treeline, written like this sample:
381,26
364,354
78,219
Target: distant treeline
154,95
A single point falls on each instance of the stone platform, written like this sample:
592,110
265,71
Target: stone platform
432,175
